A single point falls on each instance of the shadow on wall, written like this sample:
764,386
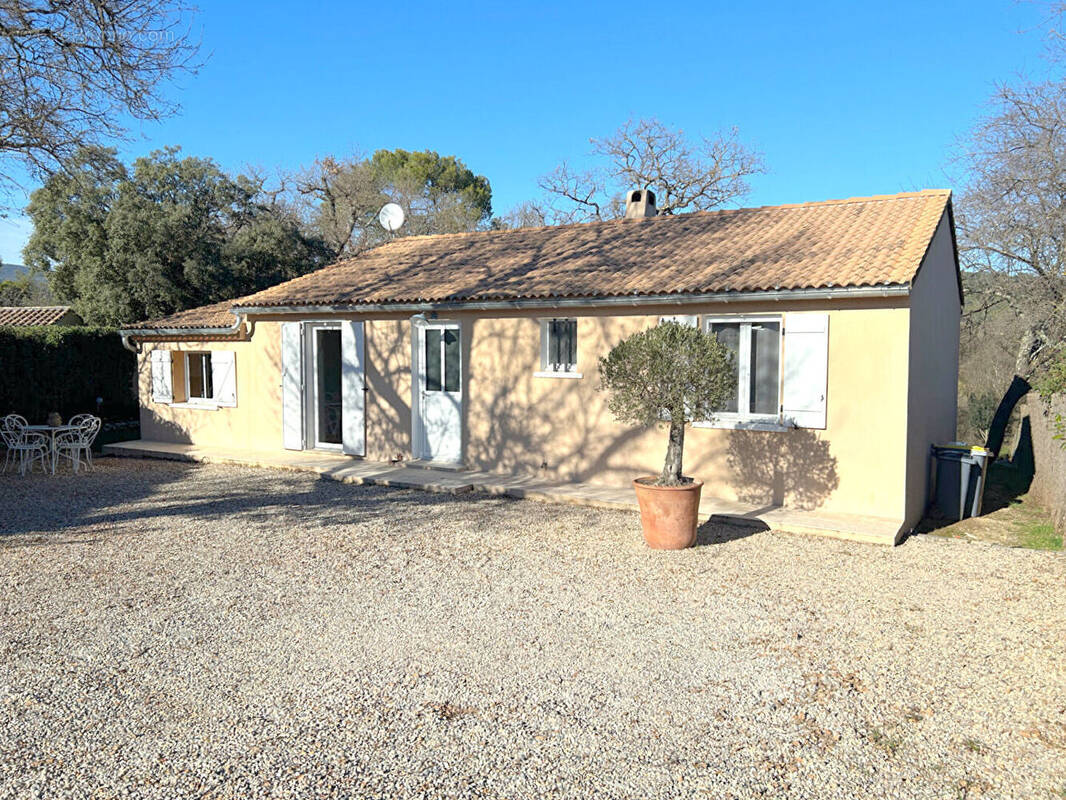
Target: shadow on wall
388,373
776,469
551,427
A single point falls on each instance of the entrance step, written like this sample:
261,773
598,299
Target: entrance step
443,466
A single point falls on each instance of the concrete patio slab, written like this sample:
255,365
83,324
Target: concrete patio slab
876,530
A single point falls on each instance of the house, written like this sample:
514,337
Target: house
21,316
480,350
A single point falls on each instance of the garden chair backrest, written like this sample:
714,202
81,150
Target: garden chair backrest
11,428
80,419
85,434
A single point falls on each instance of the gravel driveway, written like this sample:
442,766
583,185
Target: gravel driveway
171,630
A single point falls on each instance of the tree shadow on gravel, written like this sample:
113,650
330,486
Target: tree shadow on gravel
107,500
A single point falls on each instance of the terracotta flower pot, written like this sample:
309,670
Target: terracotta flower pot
668,514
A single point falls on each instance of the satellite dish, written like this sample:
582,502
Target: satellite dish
391,217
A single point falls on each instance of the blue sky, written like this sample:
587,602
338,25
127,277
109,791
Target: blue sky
842,98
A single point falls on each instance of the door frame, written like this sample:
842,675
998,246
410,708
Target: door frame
310,405
419,325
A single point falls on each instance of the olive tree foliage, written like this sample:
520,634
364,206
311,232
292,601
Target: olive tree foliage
673,373
686,173
71,71
127,244
341,198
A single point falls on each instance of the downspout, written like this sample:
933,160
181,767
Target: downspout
133,348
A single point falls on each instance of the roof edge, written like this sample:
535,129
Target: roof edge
673,299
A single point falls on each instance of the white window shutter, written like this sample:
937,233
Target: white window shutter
292,386
162,377
353,381
691,320
806,370
224,377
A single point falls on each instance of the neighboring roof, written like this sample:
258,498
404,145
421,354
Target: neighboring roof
38,315
858,242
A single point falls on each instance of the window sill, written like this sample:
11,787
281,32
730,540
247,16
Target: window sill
771,425
208,406
544,374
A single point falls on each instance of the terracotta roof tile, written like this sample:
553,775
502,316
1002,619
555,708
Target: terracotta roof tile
216,315
867,241
37,315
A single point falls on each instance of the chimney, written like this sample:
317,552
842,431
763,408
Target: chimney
640,203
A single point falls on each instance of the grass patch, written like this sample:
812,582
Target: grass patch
973,745
886,741
1040,536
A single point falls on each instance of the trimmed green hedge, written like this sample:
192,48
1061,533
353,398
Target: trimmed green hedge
64,369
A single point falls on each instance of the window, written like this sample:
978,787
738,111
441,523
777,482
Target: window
558,347
756,345
198,378
442,359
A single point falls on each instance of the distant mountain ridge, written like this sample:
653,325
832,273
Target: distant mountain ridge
8,272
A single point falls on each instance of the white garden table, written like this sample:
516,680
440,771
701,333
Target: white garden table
52,431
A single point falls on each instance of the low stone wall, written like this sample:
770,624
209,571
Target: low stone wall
1049,457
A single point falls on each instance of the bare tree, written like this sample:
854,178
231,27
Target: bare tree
1012,217
529,214
341,198
685,174
70,71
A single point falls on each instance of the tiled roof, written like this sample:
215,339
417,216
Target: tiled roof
216,315
864,241
37,315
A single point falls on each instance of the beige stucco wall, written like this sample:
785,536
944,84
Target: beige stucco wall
560,428
934,364
255,422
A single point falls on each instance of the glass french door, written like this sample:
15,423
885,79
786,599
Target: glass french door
440,392
325,411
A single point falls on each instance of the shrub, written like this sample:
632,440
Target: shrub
670,373
1050,384
1053,381
64,369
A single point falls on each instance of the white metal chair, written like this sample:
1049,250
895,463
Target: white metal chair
72,445
30,446
11,432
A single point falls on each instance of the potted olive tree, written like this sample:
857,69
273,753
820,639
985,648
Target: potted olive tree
673,374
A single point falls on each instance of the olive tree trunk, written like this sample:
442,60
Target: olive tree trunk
671,475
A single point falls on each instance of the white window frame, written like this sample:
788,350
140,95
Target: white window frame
548,369
742,418
206,402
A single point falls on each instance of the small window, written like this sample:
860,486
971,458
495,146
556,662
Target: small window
198,380
558,350
756,348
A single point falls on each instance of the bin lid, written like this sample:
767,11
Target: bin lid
964,448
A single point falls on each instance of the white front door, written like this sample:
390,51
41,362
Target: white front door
439,422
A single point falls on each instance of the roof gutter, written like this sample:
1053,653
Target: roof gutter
888,290
135,347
